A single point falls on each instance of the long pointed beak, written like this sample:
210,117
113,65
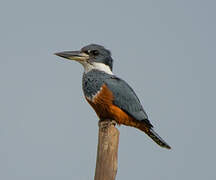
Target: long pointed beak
73,55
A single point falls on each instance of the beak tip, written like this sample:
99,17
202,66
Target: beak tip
60,54
56,54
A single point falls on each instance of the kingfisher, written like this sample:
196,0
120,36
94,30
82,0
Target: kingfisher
110,96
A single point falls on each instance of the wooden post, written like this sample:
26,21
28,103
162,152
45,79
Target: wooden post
107,152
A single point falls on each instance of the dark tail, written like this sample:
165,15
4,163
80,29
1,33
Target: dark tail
153,135
156,138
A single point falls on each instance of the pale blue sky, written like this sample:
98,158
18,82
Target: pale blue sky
164,49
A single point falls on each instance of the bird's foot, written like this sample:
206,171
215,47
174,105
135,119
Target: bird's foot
106,123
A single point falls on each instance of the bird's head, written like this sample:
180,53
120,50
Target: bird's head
91,57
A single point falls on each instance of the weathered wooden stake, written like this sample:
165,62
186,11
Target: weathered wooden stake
107,152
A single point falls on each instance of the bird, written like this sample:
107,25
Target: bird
110,96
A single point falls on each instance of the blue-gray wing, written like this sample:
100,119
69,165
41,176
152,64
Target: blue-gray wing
126,99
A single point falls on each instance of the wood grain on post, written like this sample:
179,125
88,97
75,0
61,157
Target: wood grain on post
107,152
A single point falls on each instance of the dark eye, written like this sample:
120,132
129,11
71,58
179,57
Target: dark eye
87,52
95,52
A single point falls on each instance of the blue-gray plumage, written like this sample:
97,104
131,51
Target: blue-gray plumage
127,101
111,97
